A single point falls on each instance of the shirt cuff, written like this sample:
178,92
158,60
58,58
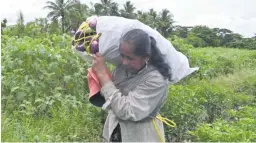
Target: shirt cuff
107,91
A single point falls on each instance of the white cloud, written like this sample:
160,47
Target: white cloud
236,15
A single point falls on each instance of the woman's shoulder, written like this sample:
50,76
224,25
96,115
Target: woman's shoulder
148,73
154,74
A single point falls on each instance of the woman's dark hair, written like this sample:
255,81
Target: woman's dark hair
145,45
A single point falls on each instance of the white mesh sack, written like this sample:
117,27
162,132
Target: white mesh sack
112,28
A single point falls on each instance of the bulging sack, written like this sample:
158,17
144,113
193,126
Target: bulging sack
112,28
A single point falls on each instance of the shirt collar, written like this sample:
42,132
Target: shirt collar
146,68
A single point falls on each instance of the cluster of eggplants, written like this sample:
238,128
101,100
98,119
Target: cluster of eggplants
80,34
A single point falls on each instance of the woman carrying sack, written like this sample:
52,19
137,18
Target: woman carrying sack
136,92
146,64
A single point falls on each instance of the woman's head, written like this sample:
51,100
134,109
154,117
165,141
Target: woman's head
137,49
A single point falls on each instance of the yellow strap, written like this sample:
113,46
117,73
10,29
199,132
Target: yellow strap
164,120
158,131
83,38
84,25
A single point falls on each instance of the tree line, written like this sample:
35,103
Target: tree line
65,16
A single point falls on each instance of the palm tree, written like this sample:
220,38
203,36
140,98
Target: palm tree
114,10
106,6
3,25
152,18
77,15
143,17
128,11
20,20
139,12
98,9
166,21
103,8
60,8
152,13
20,24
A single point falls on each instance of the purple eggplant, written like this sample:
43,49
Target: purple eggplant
93,23
88,40
80,47
94,47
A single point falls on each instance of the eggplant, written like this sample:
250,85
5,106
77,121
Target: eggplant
80,47
94,47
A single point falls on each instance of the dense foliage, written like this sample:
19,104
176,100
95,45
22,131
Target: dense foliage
44,94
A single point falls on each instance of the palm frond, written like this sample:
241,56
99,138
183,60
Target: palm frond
70,4
60,3
52,14
50,3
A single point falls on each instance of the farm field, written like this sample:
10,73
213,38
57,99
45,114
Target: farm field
44,94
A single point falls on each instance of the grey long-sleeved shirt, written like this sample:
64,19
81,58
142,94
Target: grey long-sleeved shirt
132,100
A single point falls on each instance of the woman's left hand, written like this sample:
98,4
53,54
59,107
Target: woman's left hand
100,68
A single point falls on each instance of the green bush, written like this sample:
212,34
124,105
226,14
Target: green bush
242,130
44,84
39,76
200,102
44,94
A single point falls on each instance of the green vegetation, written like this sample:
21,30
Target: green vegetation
44,92
65,16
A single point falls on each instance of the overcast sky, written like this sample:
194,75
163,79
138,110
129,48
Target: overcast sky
236,15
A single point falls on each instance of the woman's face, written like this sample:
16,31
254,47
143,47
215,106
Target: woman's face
130,61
